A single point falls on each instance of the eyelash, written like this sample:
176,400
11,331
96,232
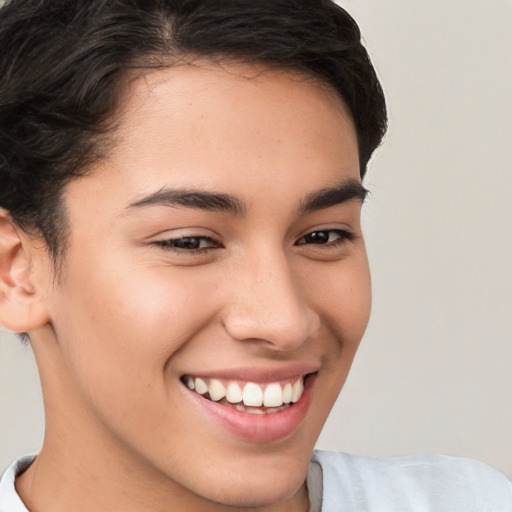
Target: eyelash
194,243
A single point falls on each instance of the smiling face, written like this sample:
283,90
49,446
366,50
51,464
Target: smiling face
215,266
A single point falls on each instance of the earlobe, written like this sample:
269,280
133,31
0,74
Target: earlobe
22,306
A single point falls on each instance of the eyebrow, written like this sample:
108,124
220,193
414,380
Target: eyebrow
218,202
197,199
325,198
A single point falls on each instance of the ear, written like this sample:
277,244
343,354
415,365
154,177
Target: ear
22,304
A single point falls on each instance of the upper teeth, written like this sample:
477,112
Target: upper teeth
273,394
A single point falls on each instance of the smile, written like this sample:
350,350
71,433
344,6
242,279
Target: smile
249,397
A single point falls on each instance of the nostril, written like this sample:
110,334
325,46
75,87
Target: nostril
284,330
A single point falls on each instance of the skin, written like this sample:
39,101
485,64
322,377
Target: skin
129,317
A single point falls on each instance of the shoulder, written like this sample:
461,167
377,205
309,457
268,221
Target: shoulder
426,482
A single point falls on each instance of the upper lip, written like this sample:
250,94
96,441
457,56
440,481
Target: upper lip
257,374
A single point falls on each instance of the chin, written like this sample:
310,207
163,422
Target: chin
260,480
259,490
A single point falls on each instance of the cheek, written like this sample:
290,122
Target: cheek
342,297
123,323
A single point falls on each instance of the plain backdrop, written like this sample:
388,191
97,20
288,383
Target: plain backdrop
434,372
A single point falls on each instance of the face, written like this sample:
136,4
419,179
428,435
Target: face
215,267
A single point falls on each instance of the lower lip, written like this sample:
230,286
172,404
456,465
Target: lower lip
258,428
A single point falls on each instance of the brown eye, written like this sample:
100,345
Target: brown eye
325,237
189,243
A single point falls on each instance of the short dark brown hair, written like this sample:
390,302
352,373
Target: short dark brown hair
63,62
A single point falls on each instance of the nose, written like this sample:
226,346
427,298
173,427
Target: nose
268,304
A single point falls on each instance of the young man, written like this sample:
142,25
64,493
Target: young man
180,241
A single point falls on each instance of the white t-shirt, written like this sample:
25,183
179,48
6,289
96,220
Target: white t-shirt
339,482
414,483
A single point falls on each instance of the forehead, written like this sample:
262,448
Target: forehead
234,128
201,106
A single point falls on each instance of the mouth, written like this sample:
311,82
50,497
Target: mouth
255,405
249,397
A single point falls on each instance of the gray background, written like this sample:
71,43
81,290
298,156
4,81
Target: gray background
435,369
